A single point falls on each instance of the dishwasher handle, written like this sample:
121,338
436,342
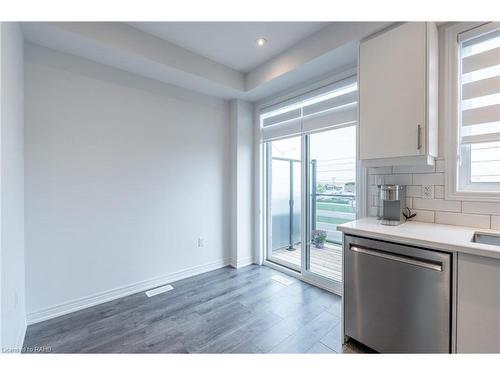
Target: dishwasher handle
397,257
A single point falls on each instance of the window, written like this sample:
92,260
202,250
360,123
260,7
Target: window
474,161
480,109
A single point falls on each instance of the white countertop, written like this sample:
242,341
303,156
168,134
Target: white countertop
432,236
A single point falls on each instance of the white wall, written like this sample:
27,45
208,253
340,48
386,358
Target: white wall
123,175
13,312
242,149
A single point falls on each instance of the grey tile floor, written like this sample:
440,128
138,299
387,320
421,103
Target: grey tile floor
223,311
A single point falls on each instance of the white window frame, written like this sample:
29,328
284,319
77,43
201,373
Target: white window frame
456,170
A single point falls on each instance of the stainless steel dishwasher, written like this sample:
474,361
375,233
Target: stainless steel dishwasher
397,299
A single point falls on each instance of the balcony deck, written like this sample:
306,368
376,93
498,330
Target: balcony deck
326,262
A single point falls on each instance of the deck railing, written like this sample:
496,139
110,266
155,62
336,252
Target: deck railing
333,212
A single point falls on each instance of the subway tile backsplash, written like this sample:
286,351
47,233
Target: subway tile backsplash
485,208
439,191
466,220
433,208
399,179
495,222
437,205
428,179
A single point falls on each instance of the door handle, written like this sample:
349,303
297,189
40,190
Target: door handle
397,258
419,137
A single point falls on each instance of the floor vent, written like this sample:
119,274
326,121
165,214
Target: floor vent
161,289
282,280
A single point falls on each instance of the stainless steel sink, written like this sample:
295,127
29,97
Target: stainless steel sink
486,238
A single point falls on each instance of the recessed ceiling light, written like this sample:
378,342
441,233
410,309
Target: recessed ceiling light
261,41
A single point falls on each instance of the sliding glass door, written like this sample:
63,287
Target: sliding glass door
328,166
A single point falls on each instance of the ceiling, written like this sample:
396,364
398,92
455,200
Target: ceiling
233,43
216,59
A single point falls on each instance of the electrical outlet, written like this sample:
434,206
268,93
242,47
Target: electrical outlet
201,242
428,191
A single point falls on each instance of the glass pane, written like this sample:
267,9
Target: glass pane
477,75
333,197
484,43
487,128
285,201
480,101
485,162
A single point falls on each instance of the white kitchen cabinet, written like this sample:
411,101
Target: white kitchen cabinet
398,79
478,304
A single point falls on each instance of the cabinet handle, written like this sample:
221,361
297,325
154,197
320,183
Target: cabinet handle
419,137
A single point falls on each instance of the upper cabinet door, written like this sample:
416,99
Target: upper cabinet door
392,93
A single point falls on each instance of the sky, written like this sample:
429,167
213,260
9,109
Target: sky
334,150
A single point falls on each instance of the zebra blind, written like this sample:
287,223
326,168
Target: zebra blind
331,106
480,102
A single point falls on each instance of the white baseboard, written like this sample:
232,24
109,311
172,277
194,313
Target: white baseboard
244,262
98,298
18,344
238,263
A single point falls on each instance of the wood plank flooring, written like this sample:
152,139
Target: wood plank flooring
223,311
